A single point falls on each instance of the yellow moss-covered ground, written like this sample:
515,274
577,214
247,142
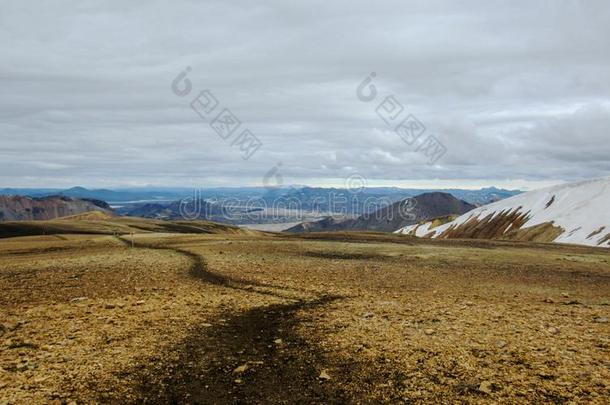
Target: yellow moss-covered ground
328,319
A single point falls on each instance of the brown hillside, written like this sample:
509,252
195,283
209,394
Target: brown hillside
21,208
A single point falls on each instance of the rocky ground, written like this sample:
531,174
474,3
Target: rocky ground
274,319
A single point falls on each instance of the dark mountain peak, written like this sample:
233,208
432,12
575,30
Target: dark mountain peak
438,197
395,216
77,188
435,195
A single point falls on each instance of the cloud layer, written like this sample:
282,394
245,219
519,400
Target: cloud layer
515,92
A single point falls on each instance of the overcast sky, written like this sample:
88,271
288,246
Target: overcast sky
517,92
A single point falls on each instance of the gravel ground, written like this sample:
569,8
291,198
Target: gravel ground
322,319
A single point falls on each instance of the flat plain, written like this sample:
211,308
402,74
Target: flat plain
231,316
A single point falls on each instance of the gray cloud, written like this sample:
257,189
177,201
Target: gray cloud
515,91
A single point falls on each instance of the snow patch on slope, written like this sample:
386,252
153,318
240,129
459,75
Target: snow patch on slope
580,209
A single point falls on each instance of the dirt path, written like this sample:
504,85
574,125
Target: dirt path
252,357
200,270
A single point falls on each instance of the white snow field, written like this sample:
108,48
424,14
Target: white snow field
581,209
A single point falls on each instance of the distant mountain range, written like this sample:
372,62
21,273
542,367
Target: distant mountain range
21,208
110,196
248,205
569,213
392,217
189,209
311,198
355,202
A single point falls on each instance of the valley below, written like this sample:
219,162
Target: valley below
227,315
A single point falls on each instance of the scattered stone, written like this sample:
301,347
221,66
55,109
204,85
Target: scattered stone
22,344
470,386
79,299
601,319
140,302
324,375
429,331
278,341
486,387
238,381
241,369
565,295
553,330
16,325
368,315
548,300
206,325
546,376
109,306
501,344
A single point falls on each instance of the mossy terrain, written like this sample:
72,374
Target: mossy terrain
231,316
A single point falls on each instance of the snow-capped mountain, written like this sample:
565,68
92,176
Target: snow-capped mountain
576,213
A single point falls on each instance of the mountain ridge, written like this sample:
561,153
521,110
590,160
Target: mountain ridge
567,213
394,216
22,208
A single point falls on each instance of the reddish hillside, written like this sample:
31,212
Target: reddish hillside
21,208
